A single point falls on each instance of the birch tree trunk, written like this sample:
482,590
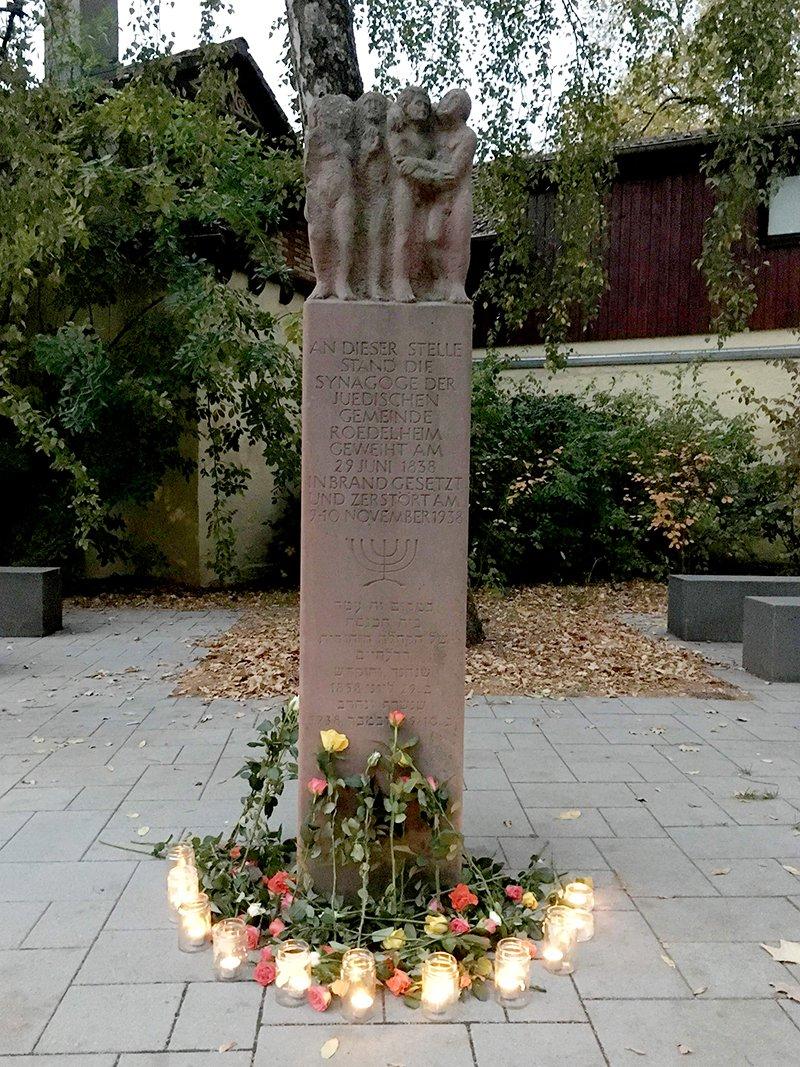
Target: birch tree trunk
324,60
323,49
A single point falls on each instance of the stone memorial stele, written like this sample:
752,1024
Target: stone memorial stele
386,406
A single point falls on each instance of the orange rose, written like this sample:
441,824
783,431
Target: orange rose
462,897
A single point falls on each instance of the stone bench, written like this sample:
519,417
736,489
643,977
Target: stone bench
30,601
709,607
771,645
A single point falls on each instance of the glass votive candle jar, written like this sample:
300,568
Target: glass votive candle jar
358,972
578,895
229,937
440,988
194,924
583,921
292,973
512,965
181,855
560,936
182,886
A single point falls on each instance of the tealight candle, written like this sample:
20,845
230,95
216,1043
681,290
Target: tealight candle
440,989
230,948
559,940
194,925
292,973
182,886
512,962
358,972
578,895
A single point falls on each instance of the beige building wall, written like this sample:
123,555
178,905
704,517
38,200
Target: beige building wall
255,508
655,363
175,522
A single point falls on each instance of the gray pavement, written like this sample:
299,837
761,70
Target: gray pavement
95,753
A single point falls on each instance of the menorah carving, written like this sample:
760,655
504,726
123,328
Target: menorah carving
378,556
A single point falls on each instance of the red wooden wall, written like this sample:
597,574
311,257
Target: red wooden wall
658,208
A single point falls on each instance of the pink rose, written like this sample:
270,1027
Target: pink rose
286,901
432,782
276,927
266,954
253,936
280,882
264,972
319,997
235,852
327,950
396,718
459,926
514,892
489,925
399,983
317,786
434,905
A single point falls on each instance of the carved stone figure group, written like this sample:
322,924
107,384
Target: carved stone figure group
389,196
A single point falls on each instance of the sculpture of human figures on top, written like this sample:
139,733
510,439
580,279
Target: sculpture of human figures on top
389,196
330,196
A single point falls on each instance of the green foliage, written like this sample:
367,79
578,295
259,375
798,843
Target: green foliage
125,351
571,487
560,87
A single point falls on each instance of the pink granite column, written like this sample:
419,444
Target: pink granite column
386,409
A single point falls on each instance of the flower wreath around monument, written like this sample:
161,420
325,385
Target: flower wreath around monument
356,825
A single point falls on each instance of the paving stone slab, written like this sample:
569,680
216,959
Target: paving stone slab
16,920
624,960
131,956
719,1033
63,881
412,1045
184,1059
725,970
215,1013
722,919
750,878
56,835
548,1044
751,842
654,867
31,984
119,1018
73,924
59,1061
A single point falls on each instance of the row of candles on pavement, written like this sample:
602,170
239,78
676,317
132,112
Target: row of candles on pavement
565,924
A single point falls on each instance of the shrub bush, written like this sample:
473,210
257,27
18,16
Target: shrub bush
577,486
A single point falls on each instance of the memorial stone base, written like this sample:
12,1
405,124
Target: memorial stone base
386,401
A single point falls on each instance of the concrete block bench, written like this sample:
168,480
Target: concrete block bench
710,607
30,601
771,645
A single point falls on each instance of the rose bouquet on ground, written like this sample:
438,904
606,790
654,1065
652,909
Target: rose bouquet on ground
385,892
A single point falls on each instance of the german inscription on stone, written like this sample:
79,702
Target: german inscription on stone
384,526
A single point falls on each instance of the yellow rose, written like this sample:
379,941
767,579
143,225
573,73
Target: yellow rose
529,900
436,925
396,939
333,741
